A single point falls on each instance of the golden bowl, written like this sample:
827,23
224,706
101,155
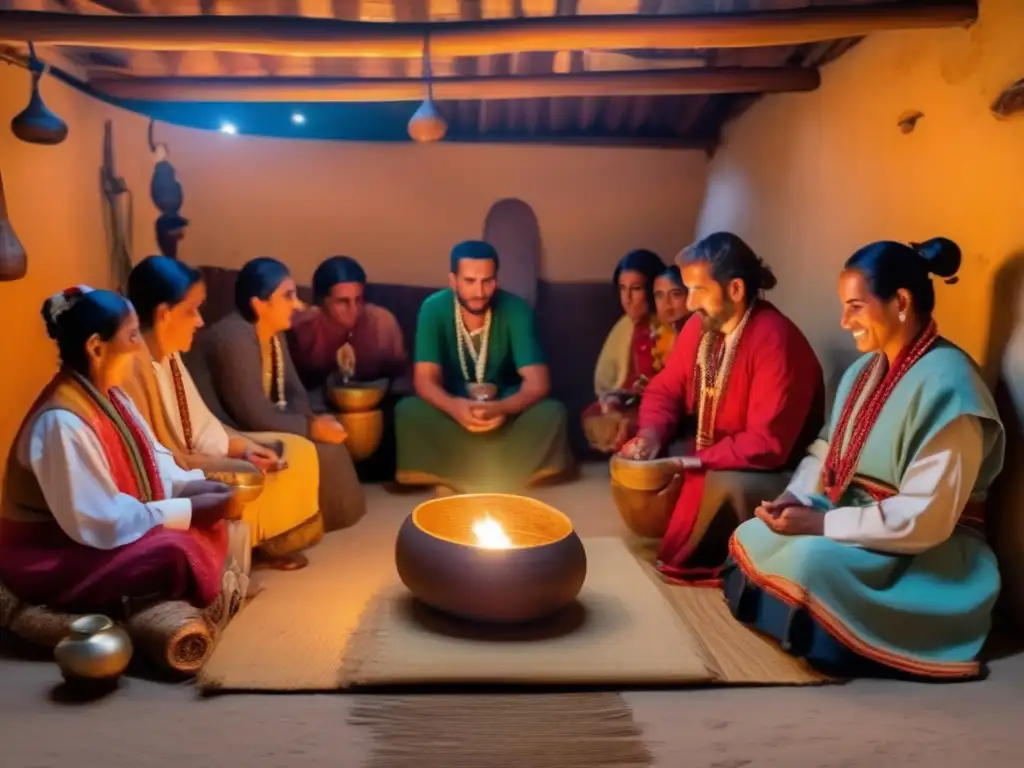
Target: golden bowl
643,474
491,557
96,650
247,485
365,431
357,396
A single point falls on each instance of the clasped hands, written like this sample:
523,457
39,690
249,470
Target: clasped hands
478,415
787,515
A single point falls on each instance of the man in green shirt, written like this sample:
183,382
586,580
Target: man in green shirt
481,419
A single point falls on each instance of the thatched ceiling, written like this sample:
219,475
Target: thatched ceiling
677,96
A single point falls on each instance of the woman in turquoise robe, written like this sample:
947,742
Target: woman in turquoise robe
876,551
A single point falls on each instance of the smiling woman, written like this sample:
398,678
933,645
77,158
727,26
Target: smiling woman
884,518
887,292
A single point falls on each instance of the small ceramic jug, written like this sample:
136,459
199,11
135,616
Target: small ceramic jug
95,650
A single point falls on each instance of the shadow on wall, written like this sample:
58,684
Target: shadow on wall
1006,509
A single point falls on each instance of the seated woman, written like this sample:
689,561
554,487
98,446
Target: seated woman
875,555
344,334
670,302
252,379
285,519
96,514
632,353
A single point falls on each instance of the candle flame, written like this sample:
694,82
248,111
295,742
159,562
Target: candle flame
490,535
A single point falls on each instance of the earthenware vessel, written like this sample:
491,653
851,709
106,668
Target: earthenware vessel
357,396
365,431
645,492
95,651
643,474
492,557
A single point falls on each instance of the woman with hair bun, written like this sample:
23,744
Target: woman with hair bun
96,514
875,554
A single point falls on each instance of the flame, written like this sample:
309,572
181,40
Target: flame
490,535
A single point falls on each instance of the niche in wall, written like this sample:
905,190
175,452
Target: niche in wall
512,228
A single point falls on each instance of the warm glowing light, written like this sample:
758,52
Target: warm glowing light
298,118
490,535
229,128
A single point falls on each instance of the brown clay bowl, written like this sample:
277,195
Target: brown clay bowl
365,431
643,474
357,396
540,570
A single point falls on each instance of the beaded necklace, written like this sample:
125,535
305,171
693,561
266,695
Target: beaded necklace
179,395
712,375
870,393
273,376
463,338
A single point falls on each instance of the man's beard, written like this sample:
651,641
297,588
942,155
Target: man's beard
719,319
473,310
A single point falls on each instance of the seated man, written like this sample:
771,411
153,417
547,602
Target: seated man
875,556
480,420
750,380
343,334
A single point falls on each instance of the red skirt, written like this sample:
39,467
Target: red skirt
41,565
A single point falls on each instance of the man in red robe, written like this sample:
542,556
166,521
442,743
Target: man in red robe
751,384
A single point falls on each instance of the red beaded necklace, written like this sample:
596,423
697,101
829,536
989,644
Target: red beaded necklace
840,466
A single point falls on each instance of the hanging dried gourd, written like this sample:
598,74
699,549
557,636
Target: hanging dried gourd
36,124
13,263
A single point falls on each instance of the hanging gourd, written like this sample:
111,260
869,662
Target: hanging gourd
426,124
13,263
36,124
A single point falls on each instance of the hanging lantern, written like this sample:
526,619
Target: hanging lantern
13,264
36,124
426,124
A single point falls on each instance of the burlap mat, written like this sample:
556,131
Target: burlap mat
621,631
627,630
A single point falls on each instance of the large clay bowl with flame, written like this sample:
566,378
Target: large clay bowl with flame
494,558
357,396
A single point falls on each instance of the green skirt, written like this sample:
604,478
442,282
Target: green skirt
927,614
433,448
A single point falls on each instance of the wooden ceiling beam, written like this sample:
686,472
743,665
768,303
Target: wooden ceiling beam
294,36
488,88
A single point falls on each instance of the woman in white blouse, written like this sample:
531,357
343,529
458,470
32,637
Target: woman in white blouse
95,512
285,518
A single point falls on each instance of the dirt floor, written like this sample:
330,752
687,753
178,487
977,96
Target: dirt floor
880,722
